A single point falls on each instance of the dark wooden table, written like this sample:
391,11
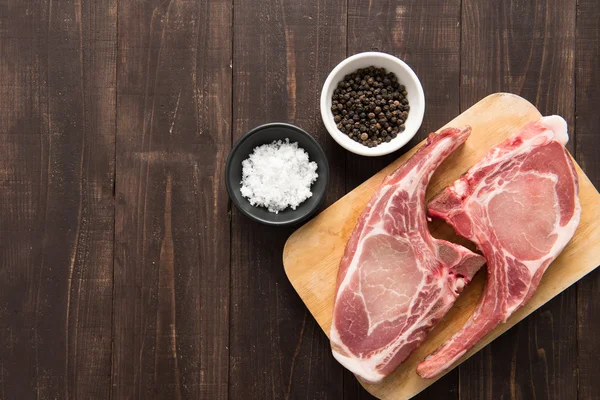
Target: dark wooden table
125,272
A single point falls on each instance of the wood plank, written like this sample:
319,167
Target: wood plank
525,48
396,27
311,255
283,51
588,149
57,130
171,296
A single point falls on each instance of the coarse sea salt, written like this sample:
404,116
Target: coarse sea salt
278,175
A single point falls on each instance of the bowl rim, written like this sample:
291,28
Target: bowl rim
342,138
320,197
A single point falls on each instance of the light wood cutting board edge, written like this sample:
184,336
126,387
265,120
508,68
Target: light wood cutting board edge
312,253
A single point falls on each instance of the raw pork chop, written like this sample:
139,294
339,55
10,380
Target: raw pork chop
395,280
520,205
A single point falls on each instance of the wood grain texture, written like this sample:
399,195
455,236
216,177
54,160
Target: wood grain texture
283,51
73,73
526,48
587,62
398,27
171,297
425,34
313,252
57,116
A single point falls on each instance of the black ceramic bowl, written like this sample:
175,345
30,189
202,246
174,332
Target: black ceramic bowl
267,134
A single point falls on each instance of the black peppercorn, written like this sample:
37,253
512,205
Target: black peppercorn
370,106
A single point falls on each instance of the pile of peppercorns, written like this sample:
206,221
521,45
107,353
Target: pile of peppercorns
370,106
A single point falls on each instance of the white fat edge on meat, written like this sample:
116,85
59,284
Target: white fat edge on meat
367,367
352,267
558,126
359,367
498,156
377,228
350,271
557,130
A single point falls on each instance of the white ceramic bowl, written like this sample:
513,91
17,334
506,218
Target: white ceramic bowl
406,77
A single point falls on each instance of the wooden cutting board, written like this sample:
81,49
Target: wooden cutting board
312,254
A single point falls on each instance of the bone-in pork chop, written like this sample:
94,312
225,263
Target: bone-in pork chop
520,205
396,281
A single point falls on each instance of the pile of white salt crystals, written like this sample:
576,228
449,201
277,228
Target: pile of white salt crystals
278,175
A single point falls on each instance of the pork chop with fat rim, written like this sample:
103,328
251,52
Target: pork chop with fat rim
520,206
396,281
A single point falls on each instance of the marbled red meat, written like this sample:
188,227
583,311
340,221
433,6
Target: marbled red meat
396,281
520,206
